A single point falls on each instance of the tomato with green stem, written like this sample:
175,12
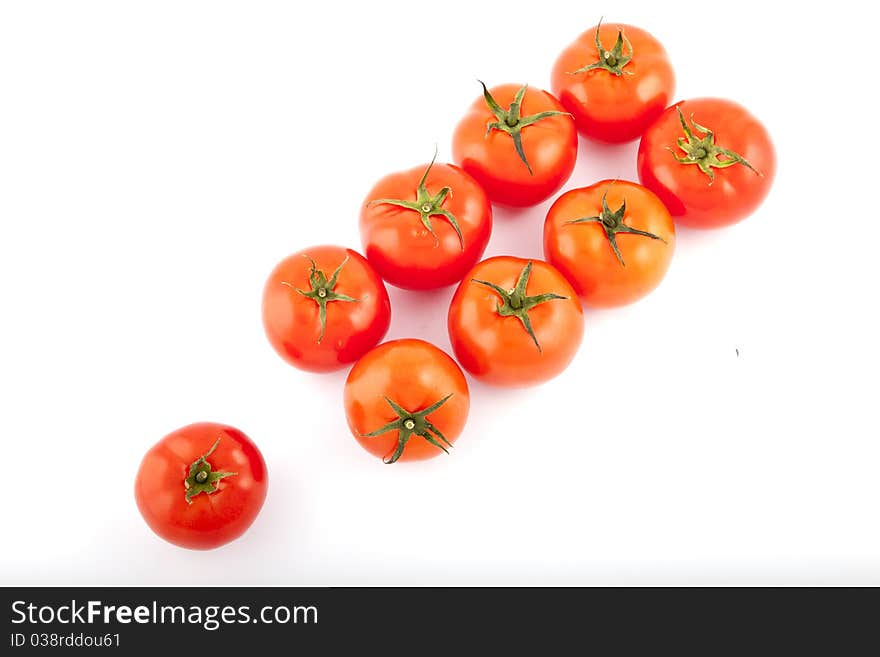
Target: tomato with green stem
425,227
710,161
614,92
613,241
201,486
515,322
518,142
406,400
324,307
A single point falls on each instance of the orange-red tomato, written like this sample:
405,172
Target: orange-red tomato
324,307
613,240
406,400
425,227
709,160
515,322
518,142
201,486
616,89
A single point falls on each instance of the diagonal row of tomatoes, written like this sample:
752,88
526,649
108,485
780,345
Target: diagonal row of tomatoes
512,322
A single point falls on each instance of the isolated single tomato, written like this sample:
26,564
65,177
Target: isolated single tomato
515,322
324,307
518,142
406,400
615,79
201,486
709,160
613,241
425,227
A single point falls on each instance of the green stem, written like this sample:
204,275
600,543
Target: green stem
322,291
613,61
612,224
427,205
704,152
511,120
515,302
409,424
202,478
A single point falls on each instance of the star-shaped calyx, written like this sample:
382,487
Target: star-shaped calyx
409,424
427,206
515,303
704,152
612,60
322,291
511,120
612,224
202,478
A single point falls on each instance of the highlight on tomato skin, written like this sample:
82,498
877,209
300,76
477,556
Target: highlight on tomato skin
424,227
614,89
201,486
518,142
406,400
613,240
515,322
710,161
324,307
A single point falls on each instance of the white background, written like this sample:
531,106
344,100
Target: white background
158,158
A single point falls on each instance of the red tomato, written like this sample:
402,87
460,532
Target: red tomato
613,240
518,142
709,160
201,486
615,79
324,308
406,400
425,227
515,322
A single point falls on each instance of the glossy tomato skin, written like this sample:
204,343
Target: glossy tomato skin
292,321
208,520
736,192
608,107
550,146
399,246
415,374
498,350
583,253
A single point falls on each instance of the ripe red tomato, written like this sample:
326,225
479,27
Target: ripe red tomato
518,142
615,79
201,486
515,322
613,240
425,227
324,308
709,160
406,400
